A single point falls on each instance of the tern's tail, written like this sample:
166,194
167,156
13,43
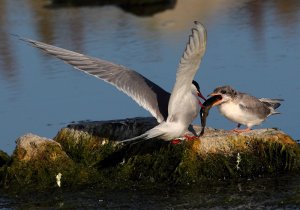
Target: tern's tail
272,104
150,134
143,136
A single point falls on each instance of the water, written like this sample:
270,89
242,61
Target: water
263,193
252,45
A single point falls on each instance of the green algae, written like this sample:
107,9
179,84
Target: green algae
38,172
83,147
84,158
4,158
152,167
38,168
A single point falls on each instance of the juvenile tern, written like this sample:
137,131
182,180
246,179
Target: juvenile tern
244,109
175,111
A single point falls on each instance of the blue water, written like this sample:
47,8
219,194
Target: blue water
252,45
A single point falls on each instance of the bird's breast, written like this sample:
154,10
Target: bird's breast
185,111
230,109
233,112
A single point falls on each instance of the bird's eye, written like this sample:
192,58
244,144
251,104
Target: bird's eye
223,91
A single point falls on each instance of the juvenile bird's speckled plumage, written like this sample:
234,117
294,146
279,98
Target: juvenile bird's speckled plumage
243,108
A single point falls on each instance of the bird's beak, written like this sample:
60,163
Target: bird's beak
212,94
218,100
201,96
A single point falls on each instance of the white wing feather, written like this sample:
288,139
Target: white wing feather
189,64
146,93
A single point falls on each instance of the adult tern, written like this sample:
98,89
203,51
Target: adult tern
175,111
244,109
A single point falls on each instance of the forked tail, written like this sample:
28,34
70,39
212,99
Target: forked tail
150,134
140,137
272,103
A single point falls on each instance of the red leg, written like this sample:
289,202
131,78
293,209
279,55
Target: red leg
201,104
201,96
241,130
237,127
175,141
187,137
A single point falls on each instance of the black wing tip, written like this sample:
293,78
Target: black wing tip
15,35
195,30
200,28
18,36
29,41
198,23
276,105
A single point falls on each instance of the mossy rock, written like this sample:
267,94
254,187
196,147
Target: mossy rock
218,154
91,142
84,148
37,161
88,153
4,158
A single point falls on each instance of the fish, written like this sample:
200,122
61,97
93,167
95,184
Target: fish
204,111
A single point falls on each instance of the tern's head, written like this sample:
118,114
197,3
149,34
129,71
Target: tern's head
226,92
196,89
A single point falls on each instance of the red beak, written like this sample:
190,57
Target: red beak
201,96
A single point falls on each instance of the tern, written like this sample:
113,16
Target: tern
243,108
174,112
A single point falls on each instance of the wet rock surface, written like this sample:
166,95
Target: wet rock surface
32,147
89,153
116,129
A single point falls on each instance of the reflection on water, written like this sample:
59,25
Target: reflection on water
263,193
44,22
252,46
134,7
6,52
284,13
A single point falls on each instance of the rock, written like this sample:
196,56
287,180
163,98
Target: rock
35,163
116,129
218,154
32,147
89,153
4,158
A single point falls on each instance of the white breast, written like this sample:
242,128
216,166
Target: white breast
233,112
185,110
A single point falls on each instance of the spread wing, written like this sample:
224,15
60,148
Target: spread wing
189,64
146,93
